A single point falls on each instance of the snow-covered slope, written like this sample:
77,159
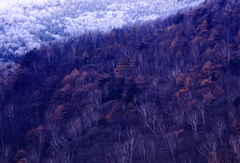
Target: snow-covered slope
26,24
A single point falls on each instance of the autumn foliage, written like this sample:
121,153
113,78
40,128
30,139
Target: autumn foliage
161,91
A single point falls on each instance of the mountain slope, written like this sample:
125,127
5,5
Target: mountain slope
163,91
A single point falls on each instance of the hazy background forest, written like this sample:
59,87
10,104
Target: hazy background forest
27,24
165,91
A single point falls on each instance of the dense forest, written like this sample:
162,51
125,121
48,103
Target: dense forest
166,91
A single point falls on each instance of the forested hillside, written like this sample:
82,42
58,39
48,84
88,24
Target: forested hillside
167,91
27,24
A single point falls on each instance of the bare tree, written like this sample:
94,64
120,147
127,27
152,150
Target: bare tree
132,135
178,115
195,52
60,149
231,112
41,135
90,116
149,113
141,98
74,48
86,119
127,52
183,101
154,85
147,148
7,151
192,119
33,155
95,97
74,129
121,153
219,128
228,35
225,52
171,138
61,47
94,37
161,127
235,144
9,112
209,148
201,108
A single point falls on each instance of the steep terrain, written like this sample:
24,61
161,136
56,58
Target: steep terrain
166,91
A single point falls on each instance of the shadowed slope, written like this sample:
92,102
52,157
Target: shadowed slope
165,91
